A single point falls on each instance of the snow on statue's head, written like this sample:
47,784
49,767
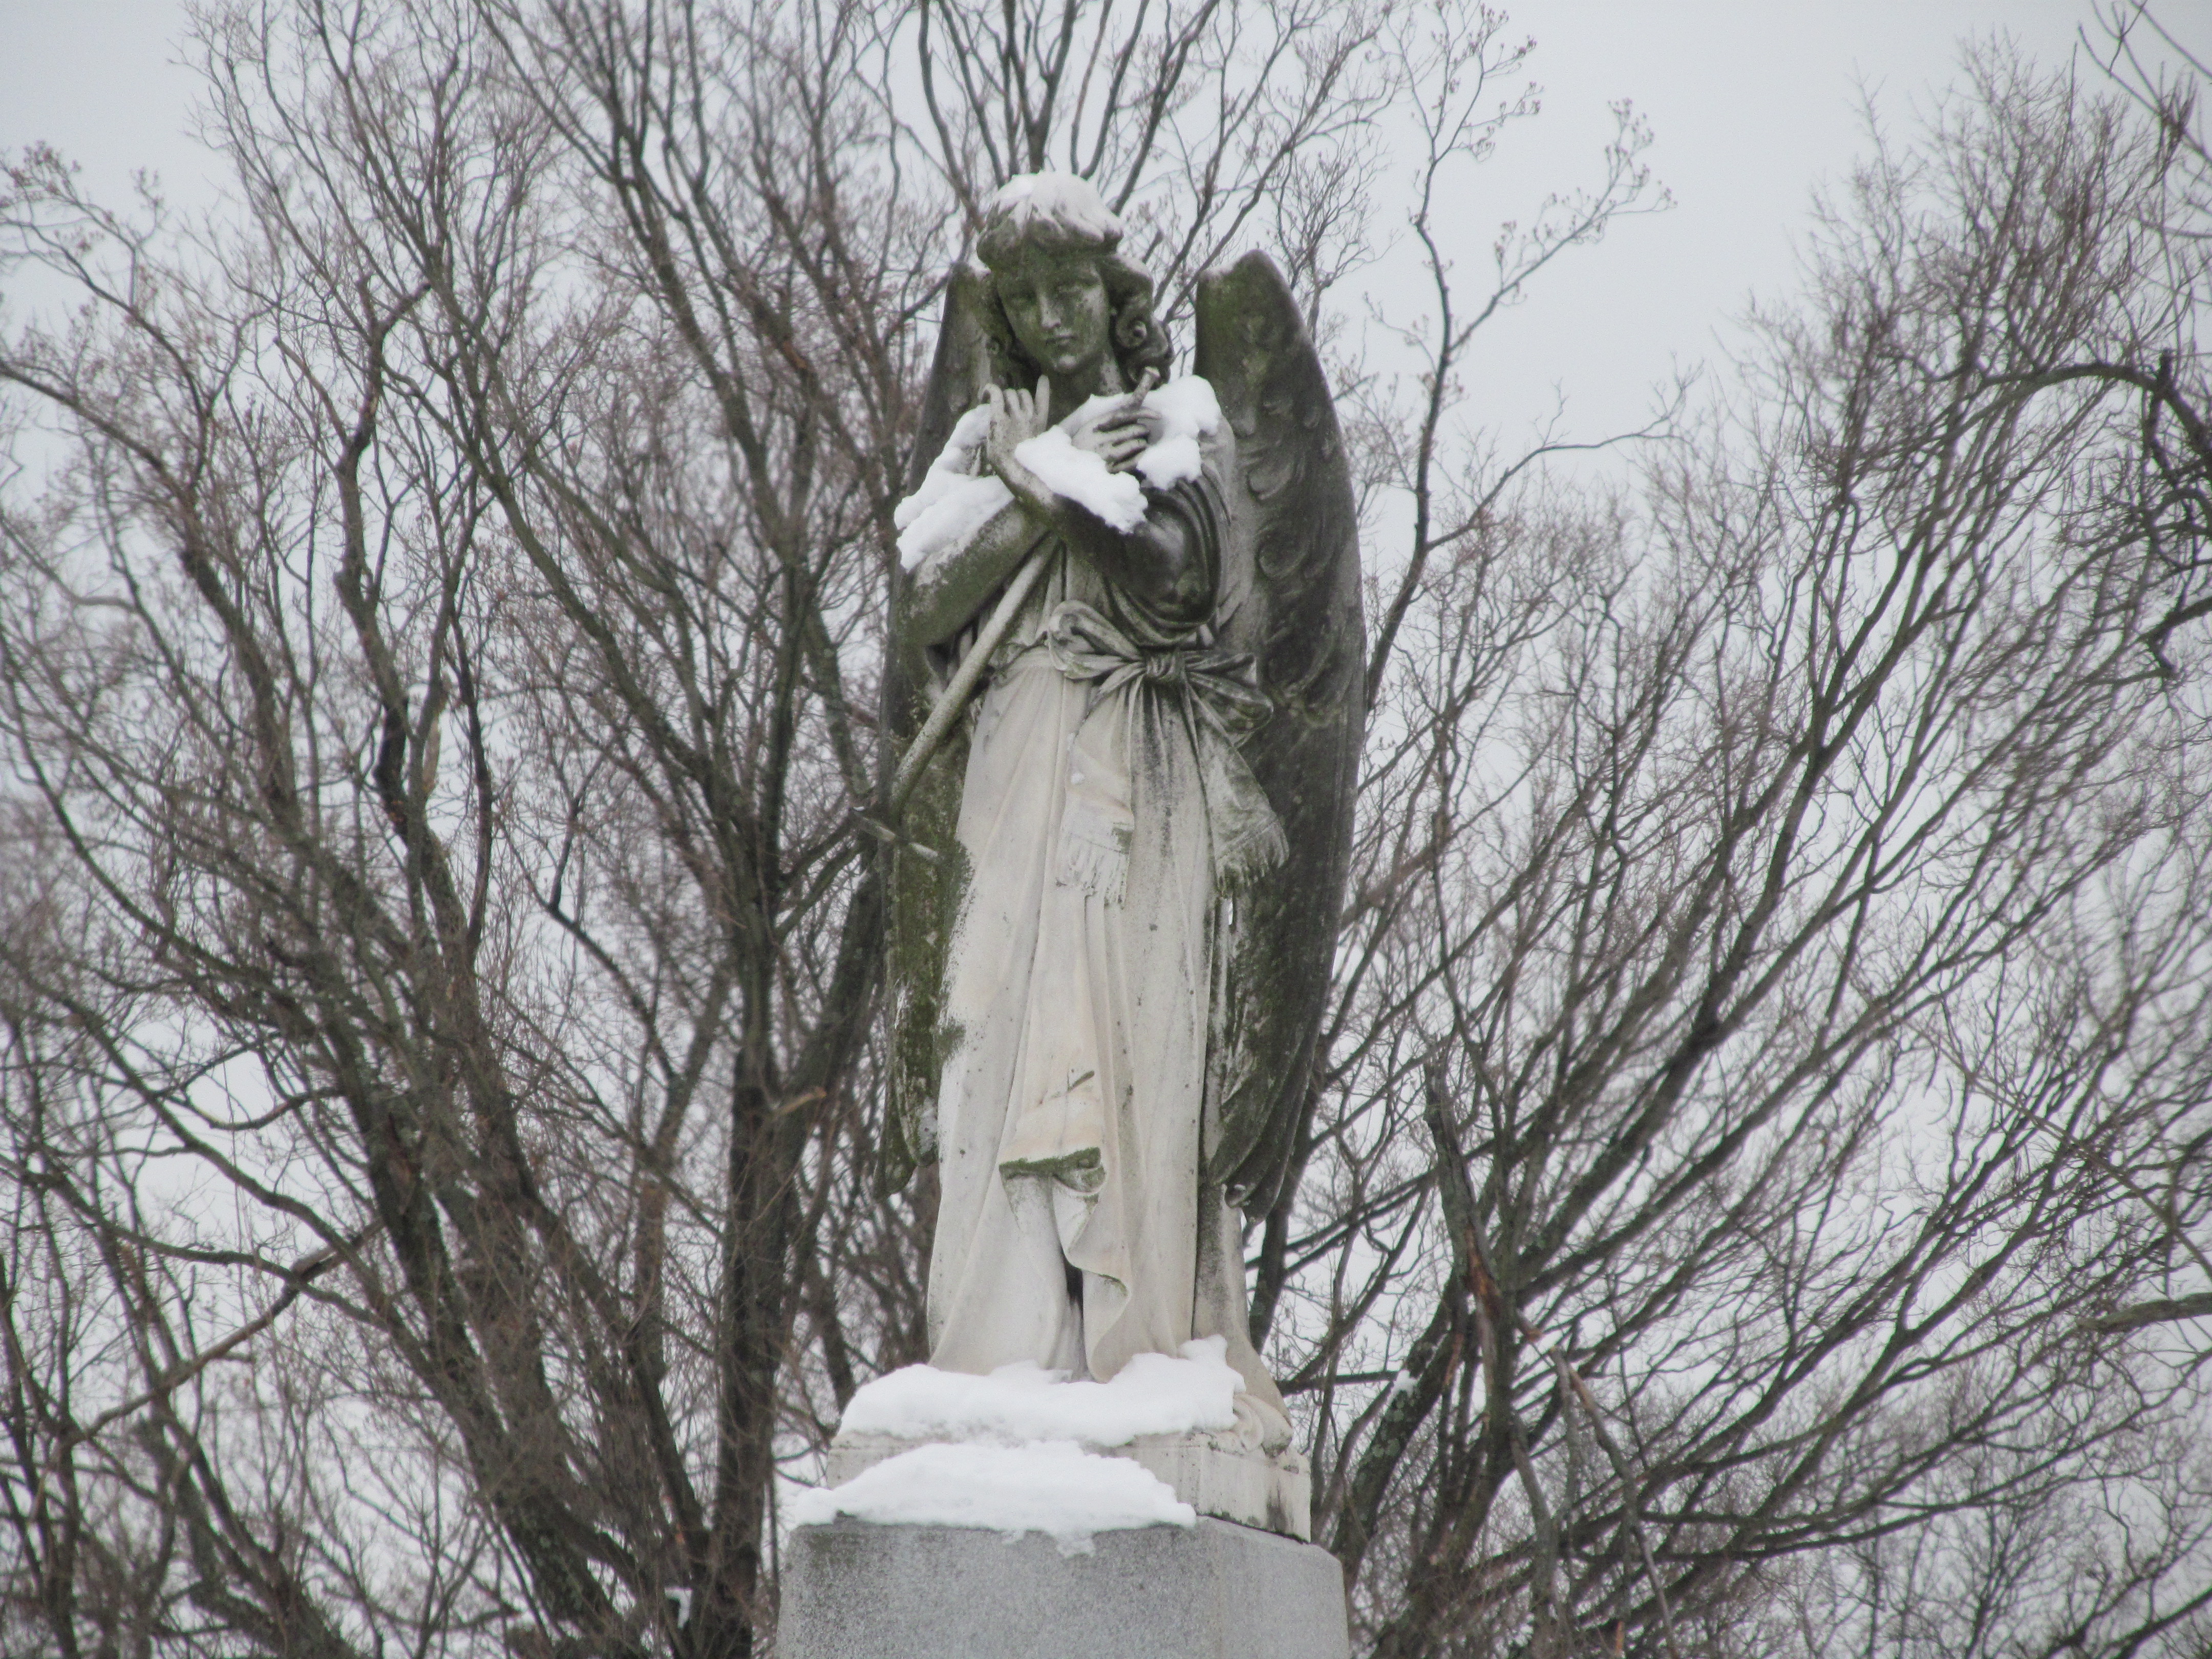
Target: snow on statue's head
1057,215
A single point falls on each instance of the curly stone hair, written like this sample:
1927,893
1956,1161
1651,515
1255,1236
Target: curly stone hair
1058,213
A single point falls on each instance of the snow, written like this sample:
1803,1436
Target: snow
1051,1487
1186,411
1009,1451
1082,477
1060,198
1154,1393
954,501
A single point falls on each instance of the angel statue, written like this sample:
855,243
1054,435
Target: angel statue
1126,678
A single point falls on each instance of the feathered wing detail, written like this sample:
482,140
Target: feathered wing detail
1290,597
928,874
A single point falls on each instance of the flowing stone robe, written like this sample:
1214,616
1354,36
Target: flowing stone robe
1107,818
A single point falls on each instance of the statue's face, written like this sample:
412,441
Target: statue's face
1058,307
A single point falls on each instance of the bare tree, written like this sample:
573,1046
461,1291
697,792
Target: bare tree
1789,945
441,670
440,917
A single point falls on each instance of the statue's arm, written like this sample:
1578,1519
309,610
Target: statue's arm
945,592
1162,563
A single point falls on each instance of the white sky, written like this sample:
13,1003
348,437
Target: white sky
1752,102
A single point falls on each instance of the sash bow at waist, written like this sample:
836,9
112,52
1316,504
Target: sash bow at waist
1085,646
1220,704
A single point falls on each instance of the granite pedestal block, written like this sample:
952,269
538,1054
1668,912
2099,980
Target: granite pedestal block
857,1590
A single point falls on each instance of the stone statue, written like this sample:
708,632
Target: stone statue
1119,868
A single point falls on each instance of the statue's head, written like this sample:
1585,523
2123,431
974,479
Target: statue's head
1063,301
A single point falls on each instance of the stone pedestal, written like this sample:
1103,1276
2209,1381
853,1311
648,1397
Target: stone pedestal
1217,1474
856,1591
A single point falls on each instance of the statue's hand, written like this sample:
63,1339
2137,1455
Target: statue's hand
1015,417
1117,434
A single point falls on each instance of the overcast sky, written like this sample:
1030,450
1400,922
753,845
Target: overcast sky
1753,103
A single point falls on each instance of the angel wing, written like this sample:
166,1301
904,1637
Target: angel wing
927,876
1290,598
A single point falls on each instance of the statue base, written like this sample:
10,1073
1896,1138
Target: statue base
1221,1475
854,1589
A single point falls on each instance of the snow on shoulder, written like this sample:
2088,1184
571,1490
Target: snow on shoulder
952,502
1186,411
956,498
1006,1452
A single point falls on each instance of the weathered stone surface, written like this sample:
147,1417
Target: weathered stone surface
1215,1591
1111,938
1215,1475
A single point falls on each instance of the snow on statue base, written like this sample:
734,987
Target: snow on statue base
855,1589
1029,1435
1022,1513
1215,1475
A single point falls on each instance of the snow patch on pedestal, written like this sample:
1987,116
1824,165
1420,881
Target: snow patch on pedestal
1051,1487
1007,1451
1154,1393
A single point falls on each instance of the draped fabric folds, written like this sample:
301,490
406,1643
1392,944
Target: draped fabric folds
1107,816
